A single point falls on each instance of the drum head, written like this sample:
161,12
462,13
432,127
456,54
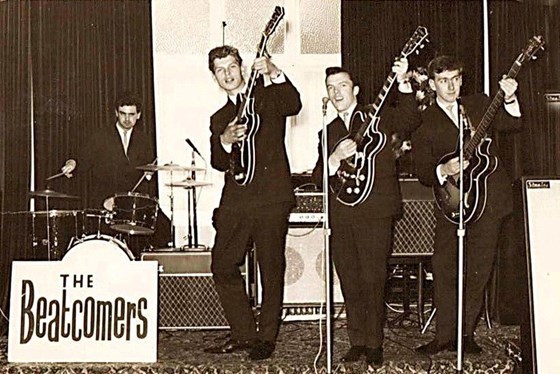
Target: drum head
106,247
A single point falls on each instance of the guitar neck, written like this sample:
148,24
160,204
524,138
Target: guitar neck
486,120
252,82
376,105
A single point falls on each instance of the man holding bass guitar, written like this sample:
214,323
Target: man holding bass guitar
433,147
259,209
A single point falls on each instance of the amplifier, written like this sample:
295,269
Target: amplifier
187,296
308,209
414,231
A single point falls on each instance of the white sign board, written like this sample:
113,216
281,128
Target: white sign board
96,305
542,199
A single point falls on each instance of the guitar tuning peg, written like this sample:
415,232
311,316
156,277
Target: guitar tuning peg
533,57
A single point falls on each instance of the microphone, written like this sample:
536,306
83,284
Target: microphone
193,147
68,168
325,102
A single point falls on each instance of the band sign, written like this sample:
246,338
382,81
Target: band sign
96,305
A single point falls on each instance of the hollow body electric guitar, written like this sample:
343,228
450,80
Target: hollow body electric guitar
243,157
355,176
477,151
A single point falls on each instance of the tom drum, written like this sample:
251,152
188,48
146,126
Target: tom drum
134,214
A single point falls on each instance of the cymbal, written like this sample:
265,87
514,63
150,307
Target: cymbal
169,167
188,183
51,193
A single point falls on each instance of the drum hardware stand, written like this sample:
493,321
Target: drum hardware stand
192,230
171,243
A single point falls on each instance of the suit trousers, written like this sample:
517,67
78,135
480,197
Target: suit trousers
267,229
480,247
360,250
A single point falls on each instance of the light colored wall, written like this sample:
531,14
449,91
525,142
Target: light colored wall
306,41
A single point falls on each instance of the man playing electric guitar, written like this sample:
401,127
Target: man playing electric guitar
257,211
432,143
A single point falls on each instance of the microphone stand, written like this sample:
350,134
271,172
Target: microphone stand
327,233
461,231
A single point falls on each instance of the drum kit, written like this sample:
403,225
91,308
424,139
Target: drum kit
130,213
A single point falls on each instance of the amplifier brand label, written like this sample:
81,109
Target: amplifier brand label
538,184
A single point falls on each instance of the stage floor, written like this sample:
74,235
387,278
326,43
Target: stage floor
182,351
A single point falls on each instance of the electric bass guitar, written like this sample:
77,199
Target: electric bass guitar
243,158
477,151
355,176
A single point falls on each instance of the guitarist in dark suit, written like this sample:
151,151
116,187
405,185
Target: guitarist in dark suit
257,211
437,137
361,234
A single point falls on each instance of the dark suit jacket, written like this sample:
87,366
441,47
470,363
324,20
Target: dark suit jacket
108,170
271,183
437,136
384,199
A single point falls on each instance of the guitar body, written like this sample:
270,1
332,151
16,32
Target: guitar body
243,157
356,175
447,196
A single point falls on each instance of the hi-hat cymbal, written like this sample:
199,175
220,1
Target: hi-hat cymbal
168,167
188,183
51,193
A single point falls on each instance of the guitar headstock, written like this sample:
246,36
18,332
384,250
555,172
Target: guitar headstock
416,41
535,44
277,16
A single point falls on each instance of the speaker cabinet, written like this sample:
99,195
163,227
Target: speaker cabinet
413,234
541,198
304,279
187,296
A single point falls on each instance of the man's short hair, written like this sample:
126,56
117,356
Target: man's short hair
443,63
332,70
222,52
128,98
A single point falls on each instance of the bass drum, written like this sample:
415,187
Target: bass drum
103,245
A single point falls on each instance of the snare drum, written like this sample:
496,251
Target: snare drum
53,230
101,244
134,214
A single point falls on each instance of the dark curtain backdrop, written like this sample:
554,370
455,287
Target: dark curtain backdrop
80,54
15,140
374,32
84,54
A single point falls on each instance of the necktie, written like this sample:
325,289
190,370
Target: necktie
125,141
452,114
346,119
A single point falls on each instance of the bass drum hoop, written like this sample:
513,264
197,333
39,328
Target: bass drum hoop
101,238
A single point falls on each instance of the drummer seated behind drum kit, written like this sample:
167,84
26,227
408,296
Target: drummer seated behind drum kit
130,213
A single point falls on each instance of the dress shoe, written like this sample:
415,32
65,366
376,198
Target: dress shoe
261,350
470,346
374,356
230,346
354,353
434,347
